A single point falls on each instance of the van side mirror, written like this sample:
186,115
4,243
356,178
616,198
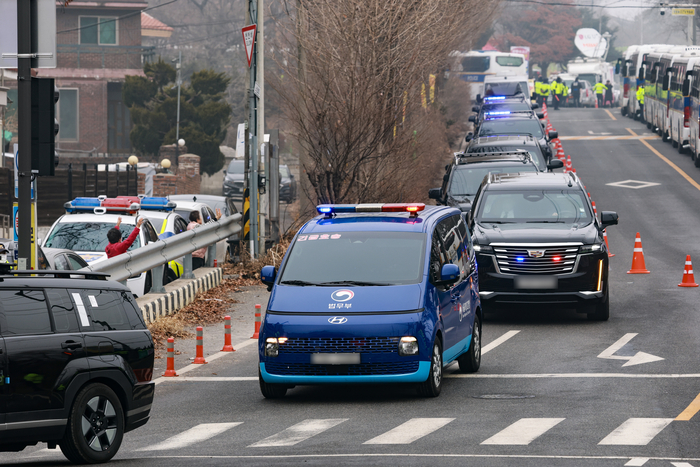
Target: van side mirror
476,108
608,218
472,118
553,135
267,276
449,274
435,193
686,87
555,164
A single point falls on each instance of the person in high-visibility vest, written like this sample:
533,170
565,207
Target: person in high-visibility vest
557,92
640,99
538,91
544,89
600,89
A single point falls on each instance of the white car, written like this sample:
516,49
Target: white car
184,208
85,233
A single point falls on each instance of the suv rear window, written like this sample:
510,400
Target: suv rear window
86,236
23,312
467,179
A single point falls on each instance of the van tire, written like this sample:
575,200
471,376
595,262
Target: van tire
85,442
271,390
471,361
432,386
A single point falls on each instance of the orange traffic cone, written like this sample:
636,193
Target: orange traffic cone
596,102
569,165
688,277
560,153
638,266
605,237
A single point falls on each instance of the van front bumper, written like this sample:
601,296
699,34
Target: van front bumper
418,376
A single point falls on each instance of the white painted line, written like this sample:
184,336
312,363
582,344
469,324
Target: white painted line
299,432
637,462
194,435
497,342
636,431
524,431
210,358
573,375
681,464
408,432
210,379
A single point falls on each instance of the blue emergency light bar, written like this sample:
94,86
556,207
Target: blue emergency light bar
102,205
330,209
153,203
494,98
499,112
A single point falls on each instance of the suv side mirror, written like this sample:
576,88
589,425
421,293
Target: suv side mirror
267,276
472,118
449,274
535,105
540,115
469,137
686,87
435,193
608,218
476,108
553,135
555,164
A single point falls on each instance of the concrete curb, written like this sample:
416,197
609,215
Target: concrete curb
178,294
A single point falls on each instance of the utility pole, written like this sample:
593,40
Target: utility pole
254,137
24,111
263,207
177,123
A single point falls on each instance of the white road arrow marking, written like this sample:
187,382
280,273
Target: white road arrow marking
638,358
603,134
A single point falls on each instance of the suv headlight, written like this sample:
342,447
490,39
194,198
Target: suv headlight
408,346
483,249
594,248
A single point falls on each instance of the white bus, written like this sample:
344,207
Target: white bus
679,104
629,69
693,78
474,66
652,71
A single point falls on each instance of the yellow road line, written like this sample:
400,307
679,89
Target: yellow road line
689,411
666,160
610,114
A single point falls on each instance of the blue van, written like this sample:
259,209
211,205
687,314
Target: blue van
372,293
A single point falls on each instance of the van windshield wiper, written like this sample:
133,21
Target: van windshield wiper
297,282
497,222
357,283
545,222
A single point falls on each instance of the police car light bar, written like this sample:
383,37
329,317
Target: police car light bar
500,112
101,205
157,204
330,209
494,98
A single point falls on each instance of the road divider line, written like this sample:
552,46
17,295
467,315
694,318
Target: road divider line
412,430
607,138
666,160
573,375
210,358
192,436
524,431
498,341
300,432
690,411
636,432
610,114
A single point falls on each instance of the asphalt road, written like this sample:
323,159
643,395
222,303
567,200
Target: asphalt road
553,389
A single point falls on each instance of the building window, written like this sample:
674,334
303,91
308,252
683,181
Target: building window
99,30
67,111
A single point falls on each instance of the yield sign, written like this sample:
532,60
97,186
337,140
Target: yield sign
249,40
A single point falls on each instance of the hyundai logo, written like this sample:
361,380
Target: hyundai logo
342,295
338,320
536,253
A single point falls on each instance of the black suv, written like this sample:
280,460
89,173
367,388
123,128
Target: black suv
463,177
508,107
537,241
505,143
520,125
76,362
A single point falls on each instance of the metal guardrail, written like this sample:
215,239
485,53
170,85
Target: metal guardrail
158,253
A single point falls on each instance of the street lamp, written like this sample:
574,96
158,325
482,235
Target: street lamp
178,65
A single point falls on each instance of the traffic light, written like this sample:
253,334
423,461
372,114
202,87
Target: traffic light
44,126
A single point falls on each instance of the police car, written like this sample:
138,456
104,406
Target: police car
84,228
372,293
167,223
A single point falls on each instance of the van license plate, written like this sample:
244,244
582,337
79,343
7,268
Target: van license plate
335,358
546,282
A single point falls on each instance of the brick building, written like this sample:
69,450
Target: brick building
99,42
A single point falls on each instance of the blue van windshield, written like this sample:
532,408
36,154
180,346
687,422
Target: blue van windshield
355,258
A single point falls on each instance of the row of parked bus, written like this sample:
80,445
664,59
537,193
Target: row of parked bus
670,75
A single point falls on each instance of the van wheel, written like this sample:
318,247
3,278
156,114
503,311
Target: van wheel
471,361
696,159
95,426
271,390
432,386
665,136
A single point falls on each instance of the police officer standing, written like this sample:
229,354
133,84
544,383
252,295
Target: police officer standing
600,89
640,99
576,92
538,91
544,89
557,91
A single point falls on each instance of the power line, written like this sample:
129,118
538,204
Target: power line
128,15
539,2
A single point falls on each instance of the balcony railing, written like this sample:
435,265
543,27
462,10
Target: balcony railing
97,56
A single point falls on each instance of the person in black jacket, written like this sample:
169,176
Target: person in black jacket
576,92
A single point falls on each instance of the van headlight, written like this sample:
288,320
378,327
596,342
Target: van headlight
594,248
272,348
408,346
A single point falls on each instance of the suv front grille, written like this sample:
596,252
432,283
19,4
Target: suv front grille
340,345
524,260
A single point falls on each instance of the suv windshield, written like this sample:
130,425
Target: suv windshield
511,126
86,236
534,206
356,258
467,178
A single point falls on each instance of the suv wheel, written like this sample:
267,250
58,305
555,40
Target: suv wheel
431,387
95,426
471,361
601,311
271,390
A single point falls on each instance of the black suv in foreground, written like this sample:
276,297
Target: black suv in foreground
463,177
538,242
76,362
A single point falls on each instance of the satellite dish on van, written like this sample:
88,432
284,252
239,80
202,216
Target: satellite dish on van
591,43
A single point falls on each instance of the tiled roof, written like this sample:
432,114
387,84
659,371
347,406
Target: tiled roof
149,22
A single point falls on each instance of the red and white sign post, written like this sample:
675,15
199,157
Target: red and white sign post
249,40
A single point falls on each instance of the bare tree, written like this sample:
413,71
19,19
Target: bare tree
352,86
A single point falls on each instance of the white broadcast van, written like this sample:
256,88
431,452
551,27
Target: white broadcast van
595,70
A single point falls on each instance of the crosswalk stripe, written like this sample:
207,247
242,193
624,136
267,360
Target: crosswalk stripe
636,431
194,435
681,464
637,462
408,432
524,431
299,432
